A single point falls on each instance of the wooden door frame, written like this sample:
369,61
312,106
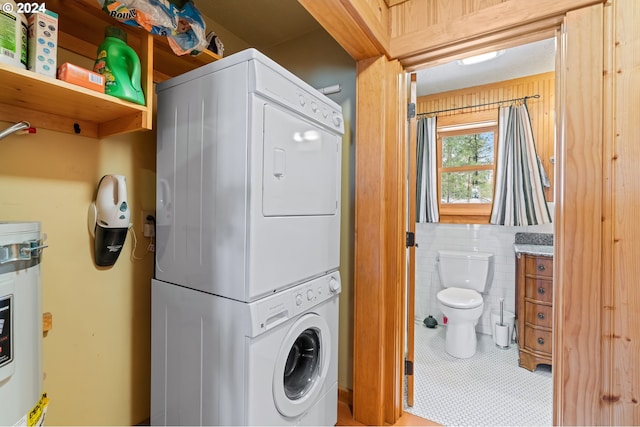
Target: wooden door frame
577,353
411,228
380,218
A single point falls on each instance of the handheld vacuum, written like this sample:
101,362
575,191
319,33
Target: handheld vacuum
109,219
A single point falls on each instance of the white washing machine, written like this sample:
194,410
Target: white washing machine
218,361
248,179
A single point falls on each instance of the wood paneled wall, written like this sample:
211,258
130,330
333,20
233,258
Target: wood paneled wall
413,16
541,110
621,289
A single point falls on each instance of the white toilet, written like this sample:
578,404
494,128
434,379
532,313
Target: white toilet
464,276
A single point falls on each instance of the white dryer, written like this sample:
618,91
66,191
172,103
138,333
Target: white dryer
217,361
248,179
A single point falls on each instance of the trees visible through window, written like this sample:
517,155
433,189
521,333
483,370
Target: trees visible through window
466,165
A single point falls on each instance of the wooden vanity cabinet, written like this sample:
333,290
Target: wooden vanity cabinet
534,293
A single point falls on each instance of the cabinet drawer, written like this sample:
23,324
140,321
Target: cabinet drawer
537,340
537,314
538,289
539,266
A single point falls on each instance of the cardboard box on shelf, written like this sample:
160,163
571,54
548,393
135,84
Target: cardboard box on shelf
77,75
43,43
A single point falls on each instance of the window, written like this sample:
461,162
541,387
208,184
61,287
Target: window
466,168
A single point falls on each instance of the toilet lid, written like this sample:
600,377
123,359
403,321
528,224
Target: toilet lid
460,298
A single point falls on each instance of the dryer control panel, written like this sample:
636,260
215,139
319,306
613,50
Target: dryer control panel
276,309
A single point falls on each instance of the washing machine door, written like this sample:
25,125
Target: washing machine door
302,365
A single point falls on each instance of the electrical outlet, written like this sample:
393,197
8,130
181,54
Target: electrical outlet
148,223
144,216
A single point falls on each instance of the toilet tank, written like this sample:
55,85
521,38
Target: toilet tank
468,270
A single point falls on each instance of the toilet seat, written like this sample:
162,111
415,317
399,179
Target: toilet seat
460,298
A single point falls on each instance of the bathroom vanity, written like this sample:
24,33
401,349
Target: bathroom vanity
534,298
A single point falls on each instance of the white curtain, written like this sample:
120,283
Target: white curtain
519,195
426,182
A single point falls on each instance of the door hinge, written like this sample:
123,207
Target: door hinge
411,110
408,367
411,239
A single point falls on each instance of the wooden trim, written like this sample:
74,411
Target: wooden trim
506,15
368,306
395,223
376,27
412,202
463,212
501,40
37,119
146,79
577,286
346,29
379,267
123,124
47,322
345,395
561,94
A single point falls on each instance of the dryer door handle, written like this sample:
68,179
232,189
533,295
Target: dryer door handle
279,162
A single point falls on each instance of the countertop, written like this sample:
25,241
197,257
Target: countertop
544,250
534,244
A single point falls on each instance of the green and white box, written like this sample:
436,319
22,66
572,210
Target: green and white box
43,43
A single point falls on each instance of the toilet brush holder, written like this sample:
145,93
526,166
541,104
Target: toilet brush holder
502,329
502,336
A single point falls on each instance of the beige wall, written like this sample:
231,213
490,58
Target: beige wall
96,357
231,42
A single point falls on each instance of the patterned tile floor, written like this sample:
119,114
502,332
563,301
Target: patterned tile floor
488,389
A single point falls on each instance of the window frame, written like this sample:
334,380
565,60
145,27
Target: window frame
464,212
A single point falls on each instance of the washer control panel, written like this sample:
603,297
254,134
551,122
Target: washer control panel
271,311
313,293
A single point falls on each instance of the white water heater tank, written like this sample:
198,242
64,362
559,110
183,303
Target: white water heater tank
20,322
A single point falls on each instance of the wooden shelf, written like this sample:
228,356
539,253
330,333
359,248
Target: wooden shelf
56,105
82,30
40,97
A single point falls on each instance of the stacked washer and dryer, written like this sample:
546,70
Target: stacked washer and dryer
245,297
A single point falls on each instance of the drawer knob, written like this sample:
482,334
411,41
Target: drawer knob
540,315
541,290
541,341
540,267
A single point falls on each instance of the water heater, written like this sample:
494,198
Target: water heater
21,398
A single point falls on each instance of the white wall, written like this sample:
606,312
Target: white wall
496,239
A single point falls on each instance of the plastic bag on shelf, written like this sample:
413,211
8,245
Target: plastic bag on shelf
178,20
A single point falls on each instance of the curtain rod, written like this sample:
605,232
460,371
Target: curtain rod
524,98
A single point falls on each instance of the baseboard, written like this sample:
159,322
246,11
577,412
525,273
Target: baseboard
345,395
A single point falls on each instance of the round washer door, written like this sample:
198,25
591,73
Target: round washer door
302,365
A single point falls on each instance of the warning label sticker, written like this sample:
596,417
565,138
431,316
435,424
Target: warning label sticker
6,339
